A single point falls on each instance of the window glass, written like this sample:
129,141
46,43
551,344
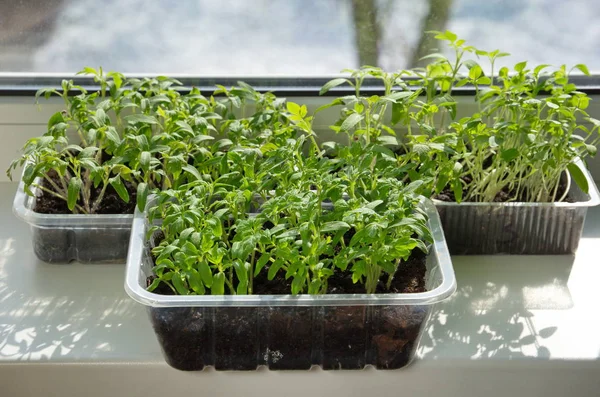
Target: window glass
283,37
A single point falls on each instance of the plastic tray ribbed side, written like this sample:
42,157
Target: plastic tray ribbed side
518,228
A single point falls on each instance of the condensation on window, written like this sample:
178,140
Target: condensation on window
284,37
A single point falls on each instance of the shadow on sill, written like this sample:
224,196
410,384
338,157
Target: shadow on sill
490,314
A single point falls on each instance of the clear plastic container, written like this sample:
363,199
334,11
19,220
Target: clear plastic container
289,332
75,237
518,228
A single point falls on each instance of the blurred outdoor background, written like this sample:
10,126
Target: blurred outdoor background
284,37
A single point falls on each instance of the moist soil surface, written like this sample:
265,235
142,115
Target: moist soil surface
47,203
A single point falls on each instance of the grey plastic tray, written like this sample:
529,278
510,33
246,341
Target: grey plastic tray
518,228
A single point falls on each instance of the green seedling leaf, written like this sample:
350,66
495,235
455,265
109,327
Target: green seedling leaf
221,212
185,234
331,84
351,121
206,274
475,72
399,95
579,177
242,288
293,108
119,187
457,189
189,249
155,283
218,285
358,236
539,68
142,195
268,147
112,135
195,282
462,82
185,127
274,268
374,204
241,271
334,226
450,36
398,112
509,154
364,211
420,148
140,118
239,250
193,171
303,111
201,138
179,284
335,102
55,119
297,284
100,118
46,92
221,143
583,68
87,152
145,158
591,149
260,264
75,185
383,150
29,174
388,140
441,182
519,67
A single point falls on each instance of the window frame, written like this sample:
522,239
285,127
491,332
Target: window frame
27,84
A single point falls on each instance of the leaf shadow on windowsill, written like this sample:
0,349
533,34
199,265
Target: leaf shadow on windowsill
69,312
491,313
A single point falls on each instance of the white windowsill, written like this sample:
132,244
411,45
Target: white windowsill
518,326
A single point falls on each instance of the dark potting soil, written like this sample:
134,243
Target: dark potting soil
47,203
241,338
447,195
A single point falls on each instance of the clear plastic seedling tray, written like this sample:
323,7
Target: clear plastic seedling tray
518,228
289,332
75,237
